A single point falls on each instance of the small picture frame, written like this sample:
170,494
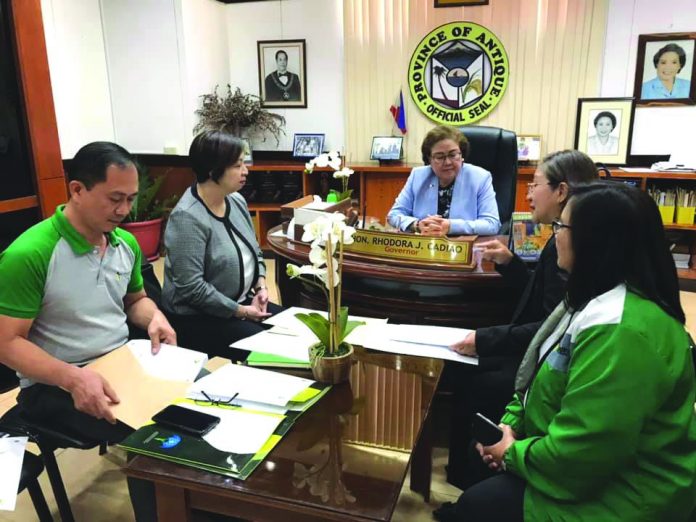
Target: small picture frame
603,129
386,148
459,3
307,145
248,152
282,73
665,69
528,147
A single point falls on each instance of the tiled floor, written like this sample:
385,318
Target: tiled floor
98,491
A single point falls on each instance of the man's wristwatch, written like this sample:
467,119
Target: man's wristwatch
260,287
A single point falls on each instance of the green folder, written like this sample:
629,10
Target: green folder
274,361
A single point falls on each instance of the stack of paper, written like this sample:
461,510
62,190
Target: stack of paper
287,343
11,457
240,385
172,363
419,340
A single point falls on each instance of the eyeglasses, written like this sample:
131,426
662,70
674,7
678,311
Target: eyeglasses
532,186
440,157
214,402
557,225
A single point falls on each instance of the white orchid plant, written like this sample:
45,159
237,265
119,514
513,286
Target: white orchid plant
328,234
333,159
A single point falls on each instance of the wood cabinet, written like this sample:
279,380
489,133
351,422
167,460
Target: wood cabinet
28,132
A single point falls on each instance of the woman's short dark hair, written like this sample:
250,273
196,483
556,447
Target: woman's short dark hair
91,162
671,48
440,133
212,152
617,237
568,166
606,114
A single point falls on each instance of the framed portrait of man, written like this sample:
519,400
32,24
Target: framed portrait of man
603,129
665,72
282,73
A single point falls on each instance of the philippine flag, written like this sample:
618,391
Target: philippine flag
397,111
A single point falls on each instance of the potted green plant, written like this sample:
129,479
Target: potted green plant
238,114
331,357
147,214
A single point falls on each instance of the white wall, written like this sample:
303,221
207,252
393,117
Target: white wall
142,56
132,70
656,130
81,95
204,55
320,23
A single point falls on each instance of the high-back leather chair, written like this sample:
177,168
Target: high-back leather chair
495,150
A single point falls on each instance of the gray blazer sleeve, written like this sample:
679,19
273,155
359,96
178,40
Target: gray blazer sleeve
186,238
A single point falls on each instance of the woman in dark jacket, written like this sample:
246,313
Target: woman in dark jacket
486,388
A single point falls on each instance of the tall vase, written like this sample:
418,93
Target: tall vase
332,370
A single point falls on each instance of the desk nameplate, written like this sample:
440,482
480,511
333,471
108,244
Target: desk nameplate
455,253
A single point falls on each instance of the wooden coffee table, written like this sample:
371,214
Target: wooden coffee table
344,459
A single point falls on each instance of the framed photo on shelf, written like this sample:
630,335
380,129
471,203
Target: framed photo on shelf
528,147
282,73
307,145
665,72
459,3
386,148
603,129
248,154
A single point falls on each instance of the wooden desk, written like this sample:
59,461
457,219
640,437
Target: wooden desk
373,287
344,459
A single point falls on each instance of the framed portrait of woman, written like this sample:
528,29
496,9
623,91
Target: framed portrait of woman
665,72
603,129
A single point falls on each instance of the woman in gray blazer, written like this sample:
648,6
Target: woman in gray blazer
214,273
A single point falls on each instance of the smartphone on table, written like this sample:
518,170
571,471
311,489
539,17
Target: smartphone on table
189,421
485,430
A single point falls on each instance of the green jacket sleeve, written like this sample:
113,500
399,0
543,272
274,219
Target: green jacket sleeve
514,415
615,380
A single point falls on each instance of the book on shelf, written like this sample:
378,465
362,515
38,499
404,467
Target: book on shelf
528,238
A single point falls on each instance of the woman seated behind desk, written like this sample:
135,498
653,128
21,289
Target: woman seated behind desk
214,274
446,196
602,425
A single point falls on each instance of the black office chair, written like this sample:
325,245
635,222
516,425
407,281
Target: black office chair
495,150
49,439
32,467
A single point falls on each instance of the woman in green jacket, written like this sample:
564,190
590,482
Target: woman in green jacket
602,426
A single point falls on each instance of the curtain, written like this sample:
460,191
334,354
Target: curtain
554,47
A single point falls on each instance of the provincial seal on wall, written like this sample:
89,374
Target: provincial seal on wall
458,73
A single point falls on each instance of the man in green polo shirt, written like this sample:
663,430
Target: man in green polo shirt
67,286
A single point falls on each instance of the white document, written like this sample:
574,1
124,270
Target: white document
431,335
286,319
11,458
278,341
390,338
242,383
239,431
171,363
